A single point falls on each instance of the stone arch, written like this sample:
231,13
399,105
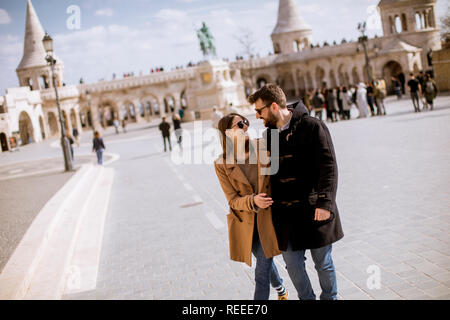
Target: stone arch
309,82
52,123
108,112
4,141
129,111
26,129
152,105
320,77
85,118
333,83
391,69
261,81
169,104
183,99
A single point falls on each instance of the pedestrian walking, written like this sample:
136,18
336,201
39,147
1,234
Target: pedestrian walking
345,97
397,88
332,107
69,138
430,90
124,126
304,211
177,127
98,147
380,95
116,125
164,127
75,135
421,78
414,90
318,102
370,98
215,117
307,101
361,101
250,227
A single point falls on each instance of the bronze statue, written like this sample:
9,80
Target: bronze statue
206,41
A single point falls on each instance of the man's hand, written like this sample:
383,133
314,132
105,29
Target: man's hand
322,214
262,201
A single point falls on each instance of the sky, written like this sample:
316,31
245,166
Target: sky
121,36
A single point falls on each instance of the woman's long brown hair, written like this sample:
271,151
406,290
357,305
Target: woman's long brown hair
224,125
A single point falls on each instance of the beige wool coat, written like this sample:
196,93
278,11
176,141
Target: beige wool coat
240,219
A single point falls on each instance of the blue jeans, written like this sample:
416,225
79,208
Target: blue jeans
295,264
100,156
266,272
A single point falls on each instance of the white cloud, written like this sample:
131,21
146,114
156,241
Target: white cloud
106,12
4,17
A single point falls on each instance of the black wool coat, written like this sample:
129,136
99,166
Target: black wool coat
307,179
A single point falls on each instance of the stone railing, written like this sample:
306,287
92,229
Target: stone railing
136,81
64,92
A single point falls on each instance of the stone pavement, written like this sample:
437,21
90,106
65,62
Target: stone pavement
21,200
166,238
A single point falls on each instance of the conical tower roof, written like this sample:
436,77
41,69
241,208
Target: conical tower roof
289,19
33,49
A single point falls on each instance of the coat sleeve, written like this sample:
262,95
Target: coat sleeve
328,171
235,201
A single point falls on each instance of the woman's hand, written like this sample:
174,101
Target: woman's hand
262,201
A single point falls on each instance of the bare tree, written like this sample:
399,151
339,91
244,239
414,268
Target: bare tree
445,26
247,40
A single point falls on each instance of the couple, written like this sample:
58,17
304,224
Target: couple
289,211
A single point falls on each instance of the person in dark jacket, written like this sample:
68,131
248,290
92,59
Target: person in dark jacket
304,211
164,127
98,146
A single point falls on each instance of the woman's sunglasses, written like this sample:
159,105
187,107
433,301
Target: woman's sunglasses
242,123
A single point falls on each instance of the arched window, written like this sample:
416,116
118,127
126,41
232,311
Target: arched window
391,25
296,45
277,48
404,23
418,21
398,24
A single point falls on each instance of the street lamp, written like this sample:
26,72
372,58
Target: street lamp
363,40
48,46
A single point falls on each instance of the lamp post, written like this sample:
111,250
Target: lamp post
363,40
48,46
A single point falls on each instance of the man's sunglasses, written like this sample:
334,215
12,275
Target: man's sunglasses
242,123
258,111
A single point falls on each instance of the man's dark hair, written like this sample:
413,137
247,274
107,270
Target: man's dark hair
268,94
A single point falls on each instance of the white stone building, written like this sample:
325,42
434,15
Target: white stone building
409,32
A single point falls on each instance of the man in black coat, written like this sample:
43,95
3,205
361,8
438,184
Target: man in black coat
304,212
164,127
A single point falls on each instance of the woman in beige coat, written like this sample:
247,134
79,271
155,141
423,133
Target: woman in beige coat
250,227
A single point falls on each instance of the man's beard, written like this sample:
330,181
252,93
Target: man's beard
271,120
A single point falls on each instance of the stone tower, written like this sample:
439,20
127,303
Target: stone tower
33,70
292,33
413,22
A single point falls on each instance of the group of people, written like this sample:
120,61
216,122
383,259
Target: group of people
289,210
424,88
164,127
337,102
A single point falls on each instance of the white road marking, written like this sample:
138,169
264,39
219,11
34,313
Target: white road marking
216,223
188,186
15,171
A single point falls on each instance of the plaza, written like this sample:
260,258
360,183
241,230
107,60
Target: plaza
150,224
393,194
